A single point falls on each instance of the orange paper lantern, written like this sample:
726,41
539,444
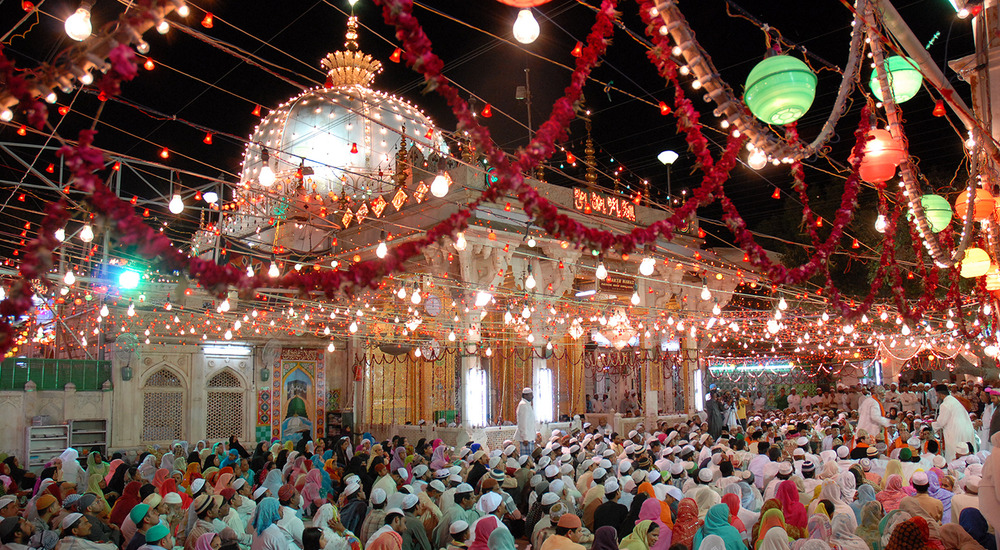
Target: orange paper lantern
982,205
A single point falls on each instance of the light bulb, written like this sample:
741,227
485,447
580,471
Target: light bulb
131,310
451,336
705,293
635,298
525,312
460,242
224,306
782,304
211,197
401,293
716,309
87,233
529,283
354,327
78,25
773,326
483,298
266,177
415,297
508,318
489,352
250,271
273,271
176,205
848,329
228,335
880,223
757,159
6,115
647,266
525,27
532,242
440,185
331,347
382,250
60,234
183,11
905,330
602,272
104,310
69,279
163,27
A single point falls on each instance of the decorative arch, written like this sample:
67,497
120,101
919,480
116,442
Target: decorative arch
226,404
164,399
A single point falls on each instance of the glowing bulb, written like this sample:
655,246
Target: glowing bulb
163,27
757,159
266,177
331,347
273,271
131,310
211,197
69,279
716,309
848,329
60,234
773,326
354,327
176,205
526,313
440,185
382,250
228,335
635,298
460,242
531,242
87,233
508,318
78,25
782,304
250,271
905,330
526,29
401,293
224,306
489,352
529,283
647,266
6,115
183,11
104,310
415,297
880,223
602,272
451,336
705,293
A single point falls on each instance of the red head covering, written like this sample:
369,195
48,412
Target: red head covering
124,505
687,523
795,513
160,476
733,502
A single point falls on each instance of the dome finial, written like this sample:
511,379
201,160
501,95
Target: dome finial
351,67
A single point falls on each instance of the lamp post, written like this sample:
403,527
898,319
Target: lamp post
668,157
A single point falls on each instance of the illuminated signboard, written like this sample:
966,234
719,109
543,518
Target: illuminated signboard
592,202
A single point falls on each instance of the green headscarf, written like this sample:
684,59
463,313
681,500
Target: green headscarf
637,539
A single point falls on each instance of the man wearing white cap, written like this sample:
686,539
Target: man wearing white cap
954,421
375,518
526,425
871,413
610,512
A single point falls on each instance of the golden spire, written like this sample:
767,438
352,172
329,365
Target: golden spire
590,160
351,67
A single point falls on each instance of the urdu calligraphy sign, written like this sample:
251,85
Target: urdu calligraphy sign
593,202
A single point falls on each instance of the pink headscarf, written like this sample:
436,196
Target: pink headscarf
484,527
161,475
892,494
310,491
795,513
222,482
111,469
651,511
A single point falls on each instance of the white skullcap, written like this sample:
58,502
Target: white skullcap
639,476
705,475
802,441
674,492
611,486
257,493
600,473
238,483
523,460
939,461
606,464
653,476
419,470
919,478
378,495
843,452
437,486
197,484
548,499
455,478
557,486
785,469
443,473
458,526
464,488
535,480
676,468
172,498
409,501
551,470
544,462
489,502
632,434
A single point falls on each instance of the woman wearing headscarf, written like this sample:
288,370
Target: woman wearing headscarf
272,481
72,471
751,498
717,523
843,528
650,511
771,504
771,519
337,536
893,467
774,539
398,458
96,465
733,503
975,525
909,535
439,459
953,537
231,458
866,494
819,528
935,490
705,498
160,476
642,534
871,515
831,490
893,492
848,487
686,524
501,539
125,503
112,470
796,517
311,489
267,534
205,541
343,452
483,528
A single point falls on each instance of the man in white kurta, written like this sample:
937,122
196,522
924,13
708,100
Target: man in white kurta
954,421
526,425
871,415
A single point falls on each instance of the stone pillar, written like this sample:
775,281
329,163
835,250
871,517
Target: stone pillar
470,361
689,348
197,405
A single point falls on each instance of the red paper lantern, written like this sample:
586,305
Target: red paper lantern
524,3
982,205
882,155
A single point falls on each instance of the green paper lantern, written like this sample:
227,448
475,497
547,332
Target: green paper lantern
937,211
904,79
780,89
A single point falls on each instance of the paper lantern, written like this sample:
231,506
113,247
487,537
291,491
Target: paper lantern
976,263
982,205
937,211
993,278
780,89
882,155
904,79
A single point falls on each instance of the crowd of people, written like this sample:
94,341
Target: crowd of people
823,478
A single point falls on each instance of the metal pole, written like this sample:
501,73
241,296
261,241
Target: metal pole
670,194
527,101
